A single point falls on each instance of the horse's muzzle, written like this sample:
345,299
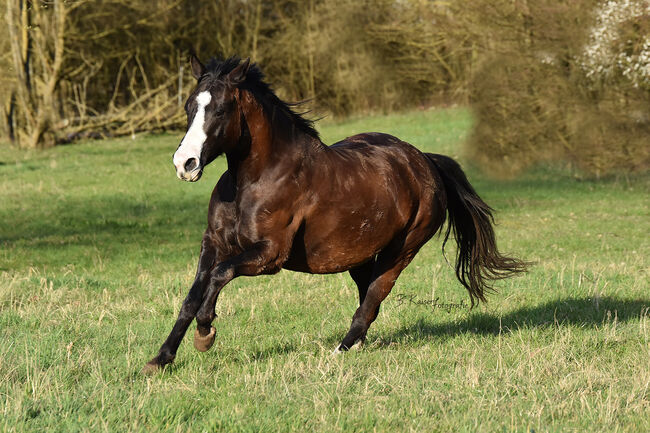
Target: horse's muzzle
190,171
191,176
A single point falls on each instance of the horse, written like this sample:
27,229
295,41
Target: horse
365,205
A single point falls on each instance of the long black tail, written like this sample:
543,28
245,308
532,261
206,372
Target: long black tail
478,261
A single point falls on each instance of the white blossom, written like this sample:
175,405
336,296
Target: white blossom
604,57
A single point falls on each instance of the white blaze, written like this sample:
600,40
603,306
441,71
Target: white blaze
195,136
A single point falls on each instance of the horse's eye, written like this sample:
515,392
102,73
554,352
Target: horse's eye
219,112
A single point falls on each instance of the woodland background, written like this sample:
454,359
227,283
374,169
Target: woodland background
546,79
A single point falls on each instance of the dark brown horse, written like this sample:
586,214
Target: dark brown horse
365,205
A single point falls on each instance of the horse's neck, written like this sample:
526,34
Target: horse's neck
267,147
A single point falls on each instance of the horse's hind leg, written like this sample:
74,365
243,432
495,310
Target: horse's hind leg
385,272
362,276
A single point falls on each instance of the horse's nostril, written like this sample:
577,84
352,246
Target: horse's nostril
191,164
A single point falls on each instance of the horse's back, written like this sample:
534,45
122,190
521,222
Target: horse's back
368,141
399,164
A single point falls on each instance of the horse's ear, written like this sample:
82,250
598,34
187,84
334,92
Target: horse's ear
197,67
238,75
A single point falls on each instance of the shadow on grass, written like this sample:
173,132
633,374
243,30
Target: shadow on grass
110,217
581,312
281,348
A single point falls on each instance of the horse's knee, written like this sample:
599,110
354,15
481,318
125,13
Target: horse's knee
188,310
205,316
221,275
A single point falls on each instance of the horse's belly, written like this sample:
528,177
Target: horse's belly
328,261
316,251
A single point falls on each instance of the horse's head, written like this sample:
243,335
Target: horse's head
213,118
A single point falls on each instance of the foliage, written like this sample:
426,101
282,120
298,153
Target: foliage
549,79
123,64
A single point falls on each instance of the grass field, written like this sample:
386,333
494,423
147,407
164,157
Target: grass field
98,246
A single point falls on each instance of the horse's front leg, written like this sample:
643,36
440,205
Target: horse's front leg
188,310
263,258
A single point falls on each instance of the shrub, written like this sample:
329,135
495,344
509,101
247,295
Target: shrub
566,81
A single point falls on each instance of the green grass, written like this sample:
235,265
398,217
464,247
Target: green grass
98,246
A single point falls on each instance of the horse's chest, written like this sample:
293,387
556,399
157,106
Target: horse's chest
222,229
231,230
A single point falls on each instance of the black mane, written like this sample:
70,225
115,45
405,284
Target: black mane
217,69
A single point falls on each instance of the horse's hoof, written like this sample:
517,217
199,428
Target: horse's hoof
152,367
203,343
356,346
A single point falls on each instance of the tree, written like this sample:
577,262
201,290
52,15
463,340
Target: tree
37,40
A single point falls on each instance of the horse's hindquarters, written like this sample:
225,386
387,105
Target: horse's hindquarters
365,197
